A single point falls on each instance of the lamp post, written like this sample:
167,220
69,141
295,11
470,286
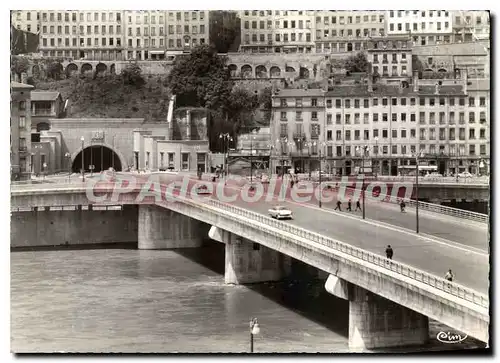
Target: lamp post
44,166
251,162
376,147
113,154
309,144
254,330
417,156
82,139
91,159
68,157
363,150
323,144
225,137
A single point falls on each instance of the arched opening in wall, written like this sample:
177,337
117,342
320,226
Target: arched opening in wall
275,72
42,126
102,157
101,69
35,71
261,72
349,47
304,73
427,73
246,71
112,69
71,69
290,69
233,70
86,68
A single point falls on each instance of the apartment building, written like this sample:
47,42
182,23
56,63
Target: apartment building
20,130
445,124
390,57
426,27
470,26
277,31
115,35
297,129
346,31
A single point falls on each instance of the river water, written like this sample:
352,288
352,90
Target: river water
128,300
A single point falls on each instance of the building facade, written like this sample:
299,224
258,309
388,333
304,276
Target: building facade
426,27
391,57
114,35
277,31
469,26
44,106
386,126
20,130
297,129
346,31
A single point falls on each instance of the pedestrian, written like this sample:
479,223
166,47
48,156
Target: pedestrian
402,205
339,203
291,183
358,205
349,205
389,252
449,276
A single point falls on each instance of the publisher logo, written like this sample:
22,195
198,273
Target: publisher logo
450,338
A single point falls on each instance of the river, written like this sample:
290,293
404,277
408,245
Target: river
137,301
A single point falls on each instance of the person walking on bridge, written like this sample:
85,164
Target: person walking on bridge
349,206
389,252
358,206
339,203
449,276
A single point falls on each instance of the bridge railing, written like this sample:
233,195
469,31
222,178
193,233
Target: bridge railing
398,267
455,212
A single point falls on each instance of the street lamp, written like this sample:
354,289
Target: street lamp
91,159
323,144
254,330
225,137
251,162
363,150
376,147
417,156
68,157
309,144
82,139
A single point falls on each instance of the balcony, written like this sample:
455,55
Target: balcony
299,136
314,136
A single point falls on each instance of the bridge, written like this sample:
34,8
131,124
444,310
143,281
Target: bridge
390,300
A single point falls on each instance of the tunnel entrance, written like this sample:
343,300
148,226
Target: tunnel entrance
102,157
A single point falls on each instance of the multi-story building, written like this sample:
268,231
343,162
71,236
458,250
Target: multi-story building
390,57
298,129
277,31
346,31
114,35
44,106
20,130
445,124
470,26
426,27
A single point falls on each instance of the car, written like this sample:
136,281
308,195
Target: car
280,212
465,174
202,190
433,175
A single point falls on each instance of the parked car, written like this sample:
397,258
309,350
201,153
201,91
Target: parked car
202,190
280,212
433,175
465,174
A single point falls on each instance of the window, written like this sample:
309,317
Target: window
472,149
338,119
394,101
348,135
298,102
314,102
347,119
385,133
22,122
185,161
328,103
375,102
461,101
347,103
472,134
394,134
375,117
283,115
384,102
471,101
431,101
472,117
329,135
356,118
482,101
461,118
298,115
384,117
329,119
338,135
356,103
394,117
366,103
482,117
482,134
366,118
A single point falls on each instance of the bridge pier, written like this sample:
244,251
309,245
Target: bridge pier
248,262
375,322
161,228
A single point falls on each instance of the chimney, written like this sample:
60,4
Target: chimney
24,78
415,81
465,81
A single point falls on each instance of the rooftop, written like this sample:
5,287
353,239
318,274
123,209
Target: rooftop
383,90
44,96
299,92
20,86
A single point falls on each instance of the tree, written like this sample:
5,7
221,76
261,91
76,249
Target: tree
132,75
225,31
54,70
357,63
265,101
19,65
